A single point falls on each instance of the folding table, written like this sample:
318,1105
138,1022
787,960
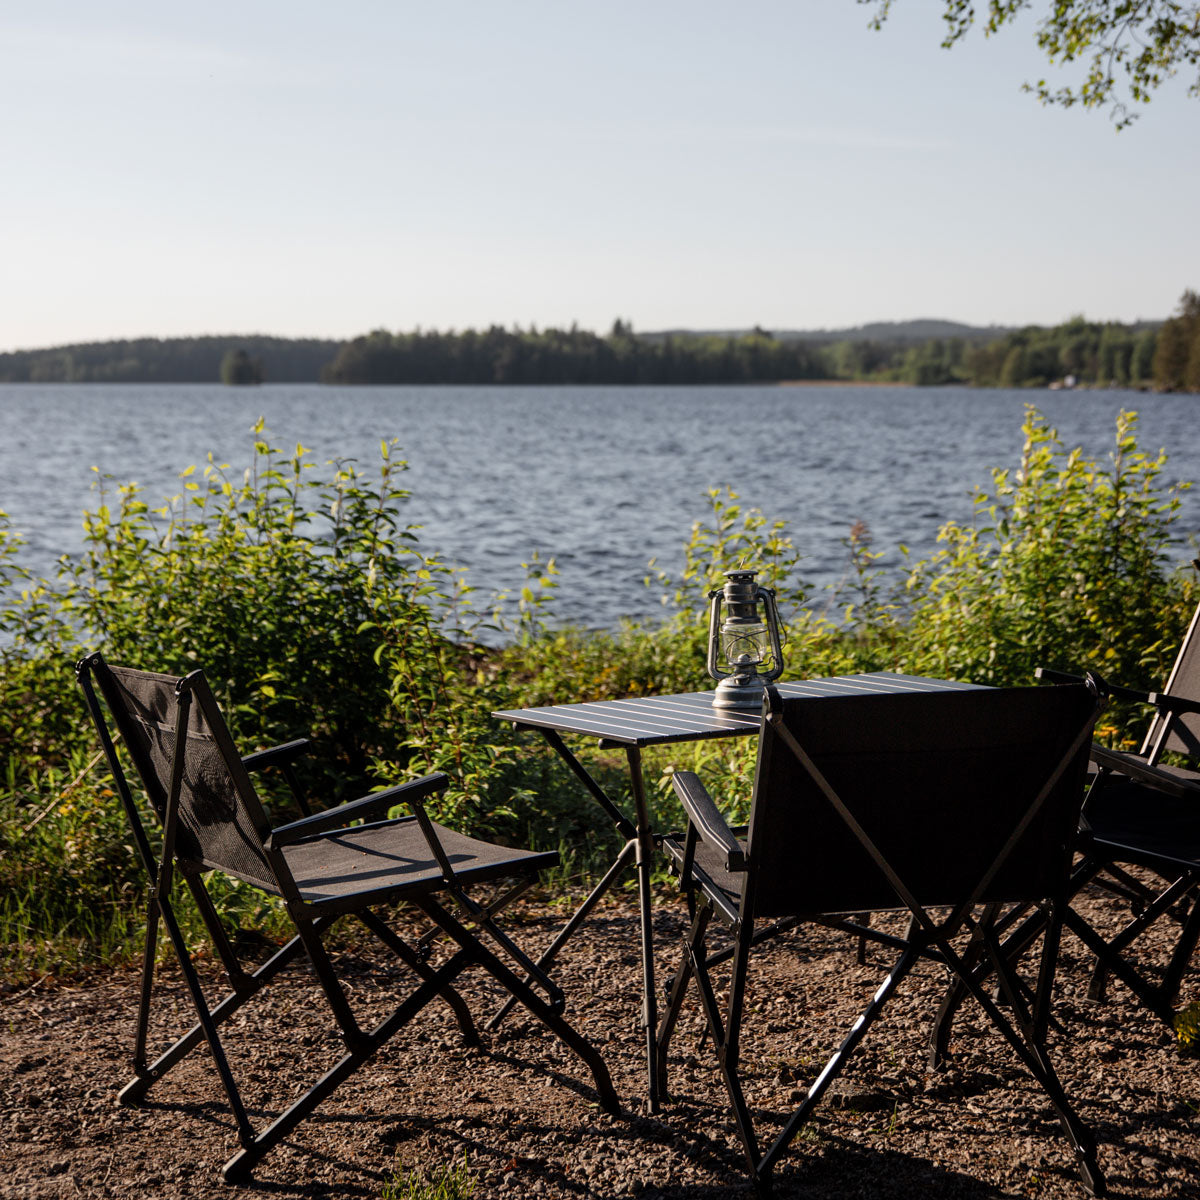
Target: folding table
644,721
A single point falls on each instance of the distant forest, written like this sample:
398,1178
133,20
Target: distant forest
1163,356
169,360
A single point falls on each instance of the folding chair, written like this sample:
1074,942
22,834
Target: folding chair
322,866
1145,812
947,806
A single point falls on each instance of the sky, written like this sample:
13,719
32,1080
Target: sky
311,169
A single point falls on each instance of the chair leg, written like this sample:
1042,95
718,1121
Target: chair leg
860,955
424,944
417,965
240,1166
764,934
1014,946
726,1047
1184,949
679,987
146,1076
837,1061
234,972
956,993
1041,1016
1151,997
335,994
482,919
149,952
1120,883
1168,900
545,1013
254,1146
943,1025
1036,1060
622,861
207,1024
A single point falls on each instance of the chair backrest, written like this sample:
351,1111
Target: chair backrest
221,822
1183,733
939,781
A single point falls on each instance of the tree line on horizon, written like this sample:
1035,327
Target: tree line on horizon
1163,356
571,356
171,360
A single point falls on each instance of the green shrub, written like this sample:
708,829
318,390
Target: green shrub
302,597
1187,1029
1066,566
314,612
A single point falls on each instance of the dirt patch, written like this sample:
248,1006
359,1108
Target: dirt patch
521,1112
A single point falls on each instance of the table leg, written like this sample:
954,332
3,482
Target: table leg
623,826
645,863
641,845
618,818
577,919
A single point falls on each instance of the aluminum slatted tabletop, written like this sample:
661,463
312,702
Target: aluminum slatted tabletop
690,716
643,721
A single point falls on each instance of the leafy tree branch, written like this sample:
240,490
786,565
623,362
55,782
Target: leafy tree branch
1130,47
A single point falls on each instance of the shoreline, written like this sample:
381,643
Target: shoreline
896,383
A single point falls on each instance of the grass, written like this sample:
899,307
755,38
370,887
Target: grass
455,1182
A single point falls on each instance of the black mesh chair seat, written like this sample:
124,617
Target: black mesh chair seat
379,863
1130,822
1162,776
708,867
950,807
350,860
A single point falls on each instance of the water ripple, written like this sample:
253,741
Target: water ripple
601,478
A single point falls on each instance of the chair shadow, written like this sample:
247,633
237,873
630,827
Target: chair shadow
693,1132
838,1168
849,1169
394,1128
216,1114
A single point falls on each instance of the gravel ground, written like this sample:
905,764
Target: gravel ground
523,1116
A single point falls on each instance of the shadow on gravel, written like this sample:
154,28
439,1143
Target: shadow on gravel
843,1172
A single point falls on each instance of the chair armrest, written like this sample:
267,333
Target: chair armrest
1106,687
1175,705
1049,675
707,819
275,756
364,809
1139,770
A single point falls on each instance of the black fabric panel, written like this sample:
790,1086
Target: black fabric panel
938,782
218,827
1184,682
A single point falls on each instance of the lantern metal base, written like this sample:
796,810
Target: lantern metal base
740,691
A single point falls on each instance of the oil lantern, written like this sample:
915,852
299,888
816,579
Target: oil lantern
744,651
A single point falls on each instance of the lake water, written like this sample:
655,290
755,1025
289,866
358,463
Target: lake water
603,479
